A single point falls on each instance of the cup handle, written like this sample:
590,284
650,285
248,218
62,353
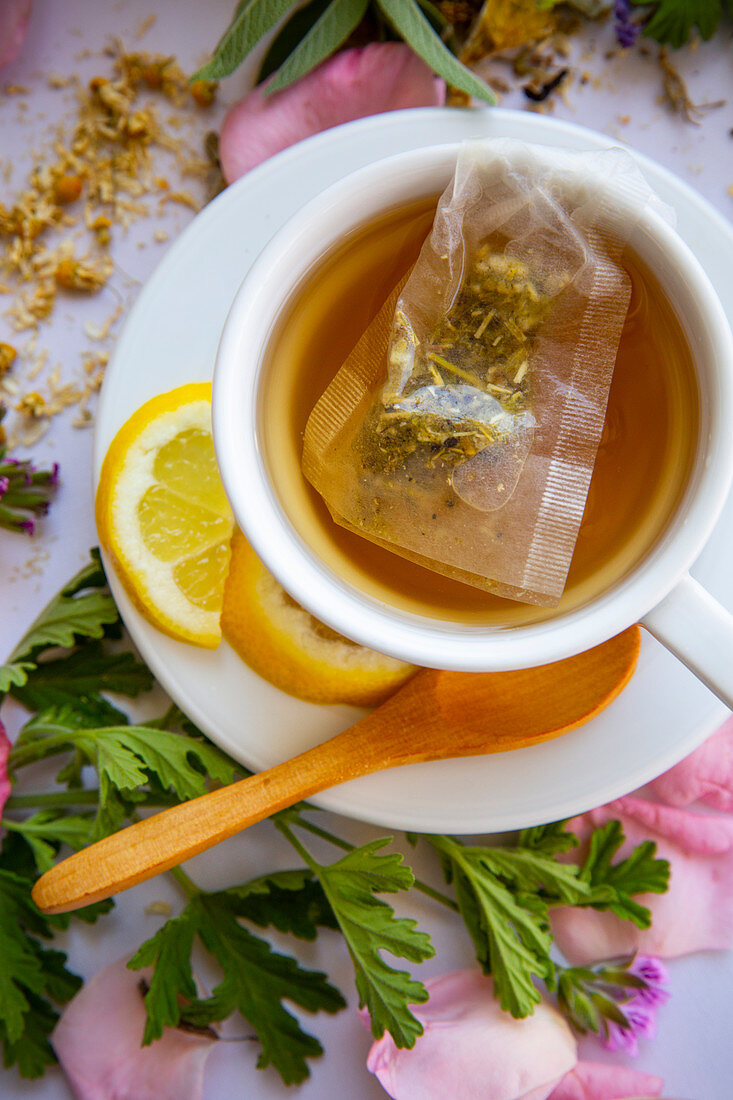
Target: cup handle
698,630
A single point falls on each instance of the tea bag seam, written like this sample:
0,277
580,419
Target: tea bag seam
561,511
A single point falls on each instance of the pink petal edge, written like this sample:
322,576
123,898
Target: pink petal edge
98,1043
467,1032
14,17
384,76
594,1081
695,914
4,780
705,775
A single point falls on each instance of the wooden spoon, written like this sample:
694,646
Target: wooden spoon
436,715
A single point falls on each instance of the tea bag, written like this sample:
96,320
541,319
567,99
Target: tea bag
462,430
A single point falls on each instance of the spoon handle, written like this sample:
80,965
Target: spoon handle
168,838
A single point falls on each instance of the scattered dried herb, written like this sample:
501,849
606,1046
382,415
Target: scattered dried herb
677,95
538,93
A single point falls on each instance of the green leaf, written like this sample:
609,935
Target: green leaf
77,680
409,21
31,1052
370,926
291,901
14,674
503,895
125,755
70,614
57,722
16,857
615,884
90,575
252,20
66,619
128,758
169,952
48,829
533,870
21,970
288,37
59,983
88,711
114,811
641,872
551,839
30,975
338,21
89,914
672,21
256,981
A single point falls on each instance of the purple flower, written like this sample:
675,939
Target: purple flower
54,478
642,1021
641,1008
656,979
27,525
3,486
627,31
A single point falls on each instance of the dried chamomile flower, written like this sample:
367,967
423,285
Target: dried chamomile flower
468,384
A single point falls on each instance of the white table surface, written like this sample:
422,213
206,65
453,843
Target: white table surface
693,1051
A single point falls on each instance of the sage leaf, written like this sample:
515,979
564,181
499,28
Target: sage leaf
412,25
288,37
339,19
252,20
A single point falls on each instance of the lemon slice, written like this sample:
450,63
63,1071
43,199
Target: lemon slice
163,517
286,645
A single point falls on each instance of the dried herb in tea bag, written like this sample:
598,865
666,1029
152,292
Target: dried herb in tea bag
465,387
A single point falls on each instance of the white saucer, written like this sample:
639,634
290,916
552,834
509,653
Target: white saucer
171,338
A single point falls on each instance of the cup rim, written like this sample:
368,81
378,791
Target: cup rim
405,635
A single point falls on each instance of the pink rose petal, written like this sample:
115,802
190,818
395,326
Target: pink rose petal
706,774
98,1039
14,16
593,1081
472,1048
4,754
695,914
384,76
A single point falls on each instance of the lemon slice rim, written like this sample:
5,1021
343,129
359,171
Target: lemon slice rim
264,637
134,563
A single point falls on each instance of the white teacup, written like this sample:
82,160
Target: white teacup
658,592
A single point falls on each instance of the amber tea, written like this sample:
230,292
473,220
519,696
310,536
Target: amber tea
641,471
